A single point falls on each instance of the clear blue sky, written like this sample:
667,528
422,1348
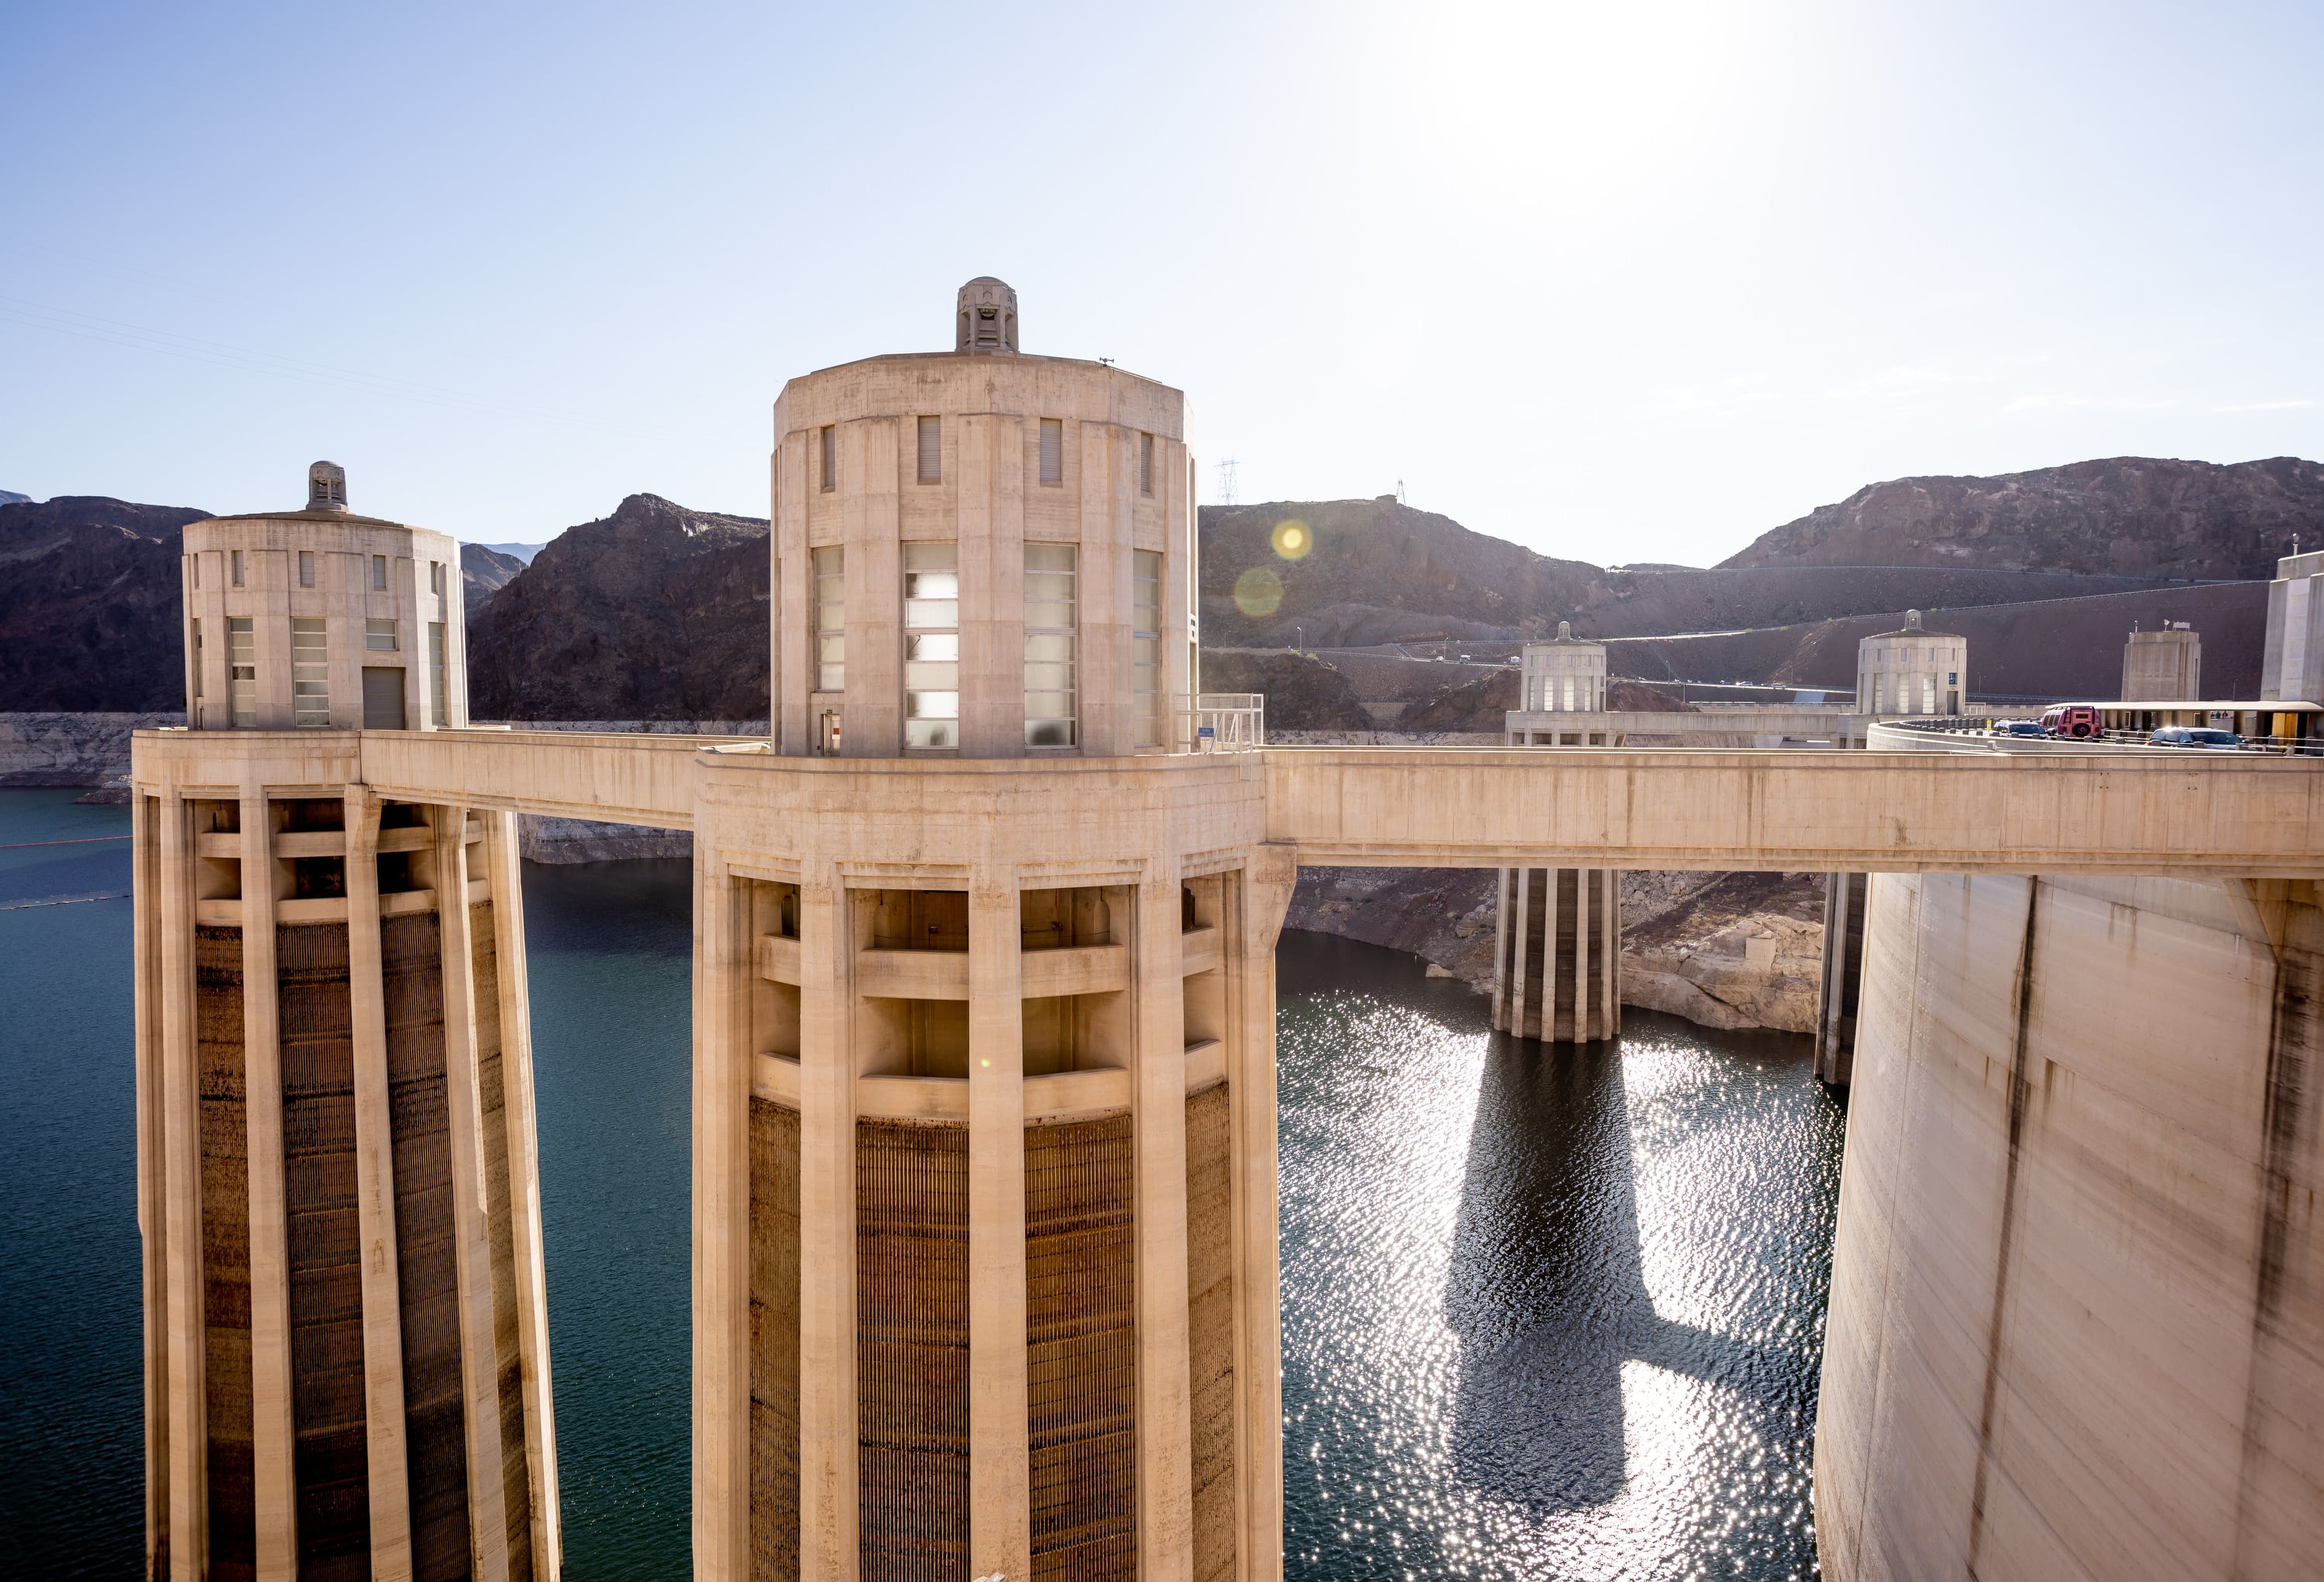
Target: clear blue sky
1621,282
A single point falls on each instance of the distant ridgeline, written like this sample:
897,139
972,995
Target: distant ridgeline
659,612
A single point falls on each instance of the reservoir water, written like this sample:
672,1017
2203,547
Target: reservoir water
1546,1314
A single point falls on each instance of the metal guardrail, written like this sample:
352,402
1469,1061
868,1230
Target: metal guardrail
1220,722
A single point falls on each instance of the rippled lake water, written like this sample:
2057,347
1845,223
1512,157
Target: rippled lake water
1546,1312
1545,1315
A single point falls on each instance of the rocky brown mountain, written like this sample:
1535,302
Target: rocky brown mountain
1376,572
656,612
89,605
1374,567
2131,515
484,572
1302,693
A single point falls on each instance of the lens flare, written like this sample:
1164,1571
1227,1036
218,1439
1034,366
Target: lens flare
1293,538
1259,592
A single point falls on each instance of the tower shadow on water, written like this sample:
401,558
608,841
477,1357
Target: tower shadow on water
1545,1289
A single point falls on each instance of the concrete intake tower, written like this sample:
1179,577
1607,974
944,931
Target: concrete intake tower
346,1345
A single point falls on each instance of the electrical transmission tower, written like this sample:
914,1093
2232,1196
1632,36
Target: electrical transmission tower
1227,482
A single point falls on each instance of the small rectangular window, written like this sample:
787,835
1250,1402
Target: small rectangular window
1146,463
1146,644
932,646
830,619
435,673
198,648
311,674
242,671
379,636
238,568
830,458
1049,645
198,570
379,572
931,450
306,567
1053,451
436,578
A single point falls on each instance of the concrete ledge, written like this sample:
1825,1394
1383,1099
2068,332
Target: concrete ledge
1079,970
1198,951
778,959
913,1098
1068,1095
775,1079
1206,1062
912,975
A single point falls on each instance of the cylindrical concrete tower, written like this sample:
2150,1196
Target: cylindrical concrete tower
1911,671
346,1343
1565,675
1557,960
319,619
984,1160
2162,667
980,553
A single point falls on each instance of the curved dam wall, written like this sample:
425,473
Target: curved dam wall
2077,1319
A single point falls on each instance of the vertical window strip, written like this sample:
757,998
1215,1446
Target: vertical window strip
310,675
242,671
306,567
830,618
1146,644
1049,712
830,458
236,556
931,645
379,572
436,674
198,650
931,450
1053,451
1146,463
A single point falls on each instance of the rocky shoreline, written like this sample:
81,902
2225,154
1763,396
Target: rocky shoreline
1727,951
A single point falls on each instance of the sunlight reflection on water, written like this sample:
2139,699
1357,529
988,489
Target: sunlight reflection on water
1546,1313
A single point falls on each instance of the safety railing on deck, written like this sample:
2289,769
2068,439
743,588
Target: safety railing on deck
1220,722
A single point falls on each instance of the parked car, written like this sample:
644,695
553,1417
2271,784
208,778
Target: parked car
2179,736
2016,727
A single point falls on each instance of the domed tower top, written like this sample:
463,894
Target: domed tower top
986,317
326,486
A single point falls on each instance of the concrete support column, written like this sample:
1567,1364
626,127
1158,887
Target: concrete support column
145,878
383,1314
1158,1112
999,1458
274,1482
1559,970
1256,901
722,1229
471,1213
1524,948
500,867
1843,977
188,1437
827,1419
1501,908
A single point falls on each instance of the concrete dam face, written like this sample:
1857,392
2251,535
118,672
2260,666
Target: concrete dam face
2077,1321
